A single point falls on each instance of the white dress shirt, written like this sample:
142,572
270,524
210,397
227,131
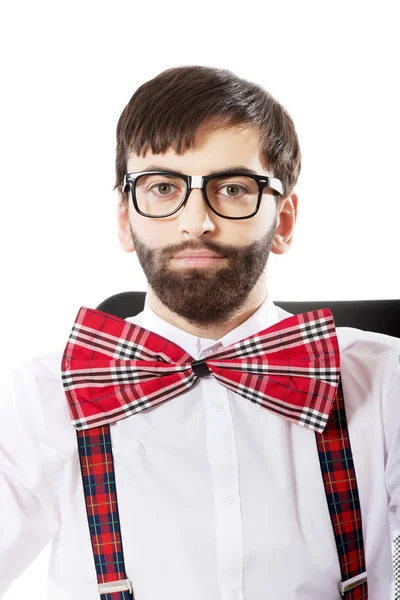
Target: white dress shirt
219,499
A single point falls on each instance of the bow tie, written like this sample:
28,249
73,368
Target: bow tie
112,369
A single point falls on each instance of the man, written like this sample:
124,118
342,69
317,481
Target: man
218,497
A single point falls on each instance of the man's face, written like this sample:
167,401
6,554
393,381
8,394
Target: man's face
209,294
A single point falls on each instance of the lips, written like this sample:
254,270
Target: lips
196,261
197,255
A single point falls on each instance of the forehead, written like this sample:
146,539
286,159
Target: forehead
213,150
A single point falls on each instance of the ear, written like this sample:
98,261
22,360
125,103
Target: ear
286,219
124,232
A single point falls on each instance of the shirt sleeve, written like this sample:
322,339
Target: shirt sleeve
28,479
391,424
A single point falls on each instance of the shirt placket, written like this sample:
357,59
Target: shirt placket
223,460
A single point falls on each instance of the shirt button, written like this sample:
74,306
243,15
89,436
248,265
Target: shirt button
218,406
228,500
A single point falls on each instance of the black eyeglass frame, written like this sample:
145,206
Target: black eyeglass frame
262,181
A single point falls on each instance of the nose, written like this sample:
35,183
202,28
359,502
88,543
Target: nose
195,214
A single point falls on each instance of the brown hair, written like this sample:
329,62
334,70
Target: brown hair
168,110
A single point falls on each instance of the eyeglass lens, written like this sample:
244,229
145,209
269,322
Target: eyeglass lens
232,196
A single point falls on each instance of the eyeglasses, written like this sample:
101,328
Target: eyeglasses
231,195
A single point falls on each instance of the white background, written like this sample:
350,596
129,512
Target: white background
67,71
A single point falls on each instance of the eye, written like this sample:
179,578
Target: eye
231,186
162,186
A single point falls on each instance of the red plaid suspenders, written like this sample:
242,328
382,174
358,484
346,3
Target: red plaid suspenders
340,483
98,478
341,491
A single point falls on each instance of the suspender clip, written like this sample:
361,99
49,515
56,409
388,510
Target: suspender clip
349,584
120,585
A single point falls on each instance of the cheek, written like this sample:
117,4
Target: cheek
268,216
153,235
268,209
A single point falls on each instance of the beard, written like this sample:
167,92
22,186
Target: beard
206,295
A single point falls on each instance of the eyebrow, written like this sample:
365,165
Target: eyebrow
226,171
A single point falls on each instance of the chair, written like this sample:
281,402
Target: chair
380,316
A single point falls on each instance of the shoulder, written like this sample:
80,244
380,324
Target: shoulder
365,344
370,373
368,359
369,352
44,368
33,394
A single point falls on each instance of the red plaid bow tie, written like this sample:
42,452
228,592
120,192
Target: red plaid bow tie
112,369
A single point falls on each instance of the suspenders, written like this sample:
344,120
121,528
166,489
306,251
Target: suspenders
337,468
341,491
98,478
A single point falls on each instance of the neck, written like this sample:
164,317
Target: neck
213,331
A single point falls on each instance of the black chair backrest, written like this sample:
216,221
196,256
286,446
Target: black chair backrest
381,316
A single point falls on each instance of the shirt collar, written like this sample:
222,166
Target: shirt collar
266,315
